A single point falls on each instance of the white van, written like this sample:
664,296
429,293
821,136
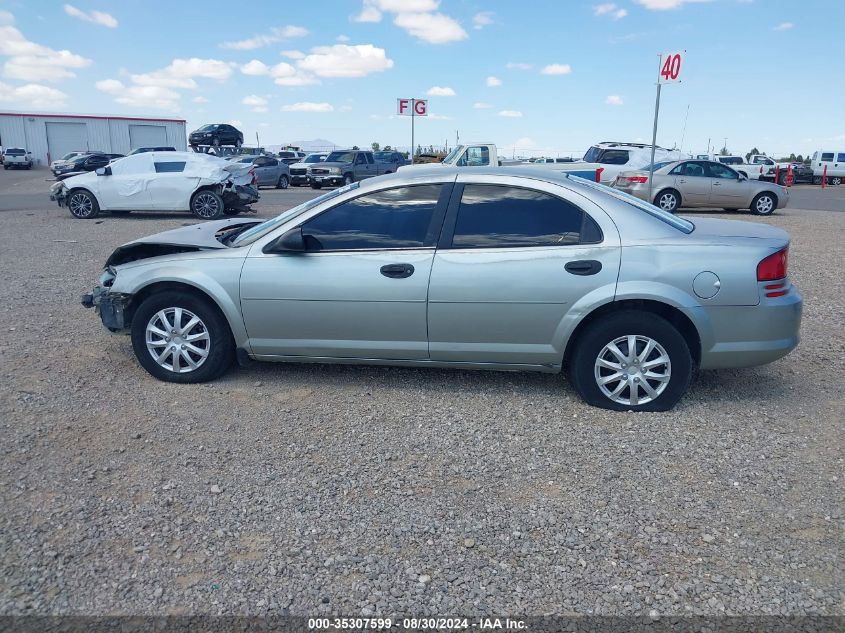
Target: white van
835,163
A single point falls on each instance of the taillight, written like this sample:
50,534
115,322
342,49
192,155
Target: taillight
638,179
773,268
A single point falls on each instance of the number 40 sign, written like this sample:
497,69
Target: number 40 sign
670,67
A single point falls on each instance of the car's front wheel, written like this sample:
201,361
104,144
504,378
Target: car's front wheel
764,204
316,185
180,337
836,180
668,200
207,205
83,205
631,360
283,182
348,179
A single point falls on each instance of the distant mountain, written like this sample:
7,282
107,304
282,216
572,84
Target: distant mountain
315,145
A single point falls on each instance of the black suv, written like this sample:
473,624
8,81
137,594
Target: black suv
216,134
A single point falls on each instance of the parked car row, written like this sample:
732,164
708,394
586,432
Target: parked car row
81,161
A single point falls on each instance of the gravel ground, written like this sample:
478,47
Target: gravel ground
311,490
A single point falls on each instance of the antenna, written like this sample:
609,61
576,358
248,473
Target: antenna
684,133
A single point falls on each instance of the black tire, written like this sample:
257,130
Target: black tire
207,205
316,185
817,180
782,179
348,179
592,341
29,166
764,203
668,200
220,345
284,182
238,143
6,167
120,211
836,181
82,204
232,211
215,141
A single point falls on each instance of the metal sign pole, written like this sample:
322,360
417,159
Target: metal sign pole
413,113
654,135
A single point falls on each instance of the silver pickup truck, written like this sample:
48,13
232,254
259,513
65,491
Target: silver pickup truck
343,167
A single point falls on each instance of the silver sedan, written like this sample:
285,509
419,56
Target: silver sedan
504,268
703,183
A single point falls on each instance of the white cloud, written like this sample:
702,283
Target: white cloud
434,28
614,100
665,5
345,108
493,82
511,113
478,105
440,91
784,26
308,106
258,41
97,17
6,18
258,104
34,62
32,96
255,67
557,69
368,14
343,60
139,96
293,54
517,66
609,9
482,19
180,73
199,99
342,38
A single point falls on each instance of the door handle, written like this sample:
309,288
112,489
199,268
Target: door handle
717,184
397,271
682,181
583,267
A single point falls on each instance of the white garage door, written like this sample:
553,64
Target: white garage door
147,136
63,138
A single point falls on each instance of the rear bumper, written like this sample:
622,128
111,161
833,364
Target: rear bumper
746,336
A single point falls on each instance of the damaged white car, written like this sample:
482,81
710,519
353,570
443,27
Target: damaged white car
207,186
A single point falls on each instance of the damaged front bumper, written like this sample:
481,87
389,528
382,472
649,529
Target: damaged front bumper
111,306
58,193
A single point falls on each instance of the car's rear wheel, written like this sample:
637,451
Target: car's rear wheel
238,143
283,183
215,142
316,185
207,205
83,205
764,204
631,360
180,337
668,200
836,180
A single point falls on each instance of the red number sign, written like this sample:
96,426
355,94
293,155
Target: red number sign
670,67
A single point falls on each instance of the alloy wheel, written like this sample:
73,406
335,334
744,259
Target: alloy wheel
81,205
632,370
765,205
206,205
178,340
667,201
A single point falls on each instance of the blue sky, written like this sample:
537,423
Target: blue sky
545,77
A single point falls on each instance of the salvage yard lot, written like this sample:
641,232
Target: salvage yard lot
357,490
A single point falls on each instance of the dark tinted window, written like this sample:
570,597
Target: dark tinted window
169,167
369,158
721,171
495,216
827,157
395,218
15,152
614,157
840,157
691,169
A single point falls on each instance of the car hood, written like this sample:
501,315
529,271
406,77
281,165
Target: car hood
196,237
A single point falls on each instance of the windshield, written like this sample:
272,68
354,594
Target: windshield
450,157
592,155
255,232
313,158
71,155
340,157
207,128
683,225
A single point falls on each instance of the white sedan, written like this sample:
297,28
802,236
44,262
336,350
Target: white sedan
207,186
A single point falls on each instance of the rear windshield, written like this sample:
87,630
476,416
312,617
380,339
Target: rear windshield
207,128
592,155
15,152
683,225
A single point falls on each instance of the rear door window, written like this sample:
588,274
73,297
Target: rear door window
495,216
169,167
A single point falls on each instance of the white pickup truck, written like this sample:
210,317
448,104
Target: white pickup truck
608,159
486,154
757,167
17,157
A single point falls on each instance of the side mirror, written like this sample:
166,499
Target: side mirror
103,171
290,241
